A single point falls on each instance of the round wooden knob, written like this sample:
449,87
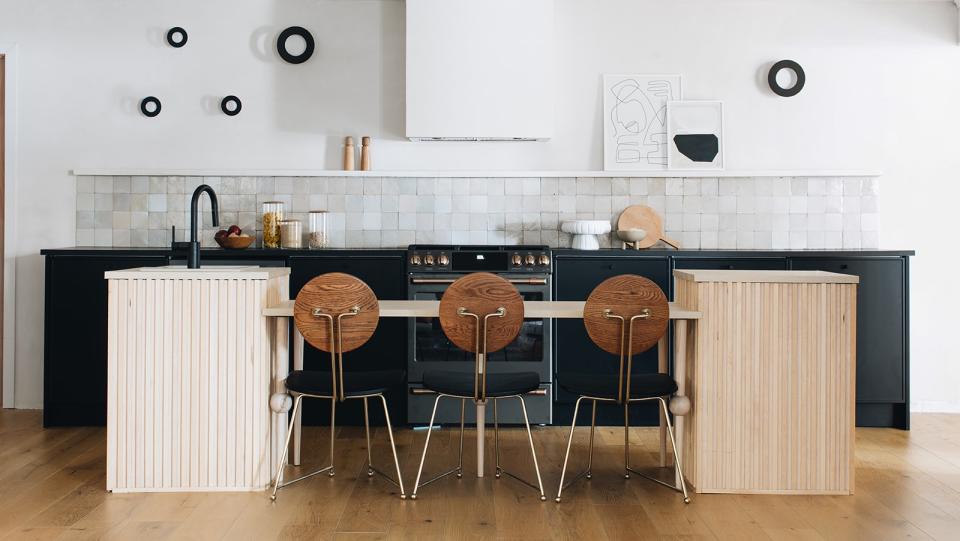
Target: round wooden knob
679,405
481,293
626,296
336,293
280,402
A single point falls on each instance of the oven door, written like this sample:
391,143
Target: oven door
428,347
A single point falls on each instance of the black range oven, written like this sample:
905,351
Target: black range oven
430,270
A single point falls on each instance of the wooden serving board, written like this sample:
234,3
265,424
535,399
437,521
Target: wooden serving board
644,217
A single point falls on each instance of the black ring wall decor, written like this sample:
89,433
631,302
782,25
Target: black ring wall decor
172,37
147,101
282,45
789,65
227,110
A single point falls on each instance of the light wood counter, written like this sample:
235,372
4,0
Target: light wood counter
190,376
770,374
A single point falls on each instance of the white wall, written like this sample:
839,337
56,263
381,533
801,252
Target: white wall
882,93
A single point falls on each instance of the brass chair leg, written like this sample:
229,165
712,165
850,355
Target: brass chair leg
626,440
566,457
333,431
463,404
533,450
393,445
278,479
426,444
676,457
366,424
496,441
593,426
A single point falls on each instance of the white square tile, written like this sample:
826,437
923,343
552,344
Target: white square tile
746,187
674,186
657,203
817,186
389,221
851,204
603,186
690,240
424,221
710,222
691,222
157,203
851,187
407,186
851,240
567,203
833,203
549,186
656,186
692,203
816,222
798,240
85,201
798,186
869,203
798,222
798,204
815,239
407,203
426,203
851,222
691,186
727,186
833,222
728,222
709,240
780,240
103,185
530,186
746,222
763,222
781,187
727,240
639,186
709,186
674,203
427,186
869,240
444,203
444,186
869,222
103,201
764,186
763,203
567,186
762,240
407,221
781,222
869,186
442,222
746,204
620,186
728,203
85,237
745,240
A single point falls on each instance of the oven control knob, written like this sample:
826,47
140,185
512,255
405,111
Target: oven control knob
543,260
530,260
517,260
443,260
414,259
429,259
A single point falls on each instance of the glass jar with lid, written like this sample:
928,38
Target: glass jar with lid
291,236
317,229
272,216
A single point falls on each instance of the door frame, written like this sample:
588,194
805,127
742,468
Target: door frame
9,52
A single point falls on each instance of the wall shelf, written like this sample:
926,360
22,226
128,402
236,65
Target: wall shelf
470,174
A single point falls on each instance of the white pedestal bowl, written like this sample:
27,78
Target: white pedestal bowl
585,233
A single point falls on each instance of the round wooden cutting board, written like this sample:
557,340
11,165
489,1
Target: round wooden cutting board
644,217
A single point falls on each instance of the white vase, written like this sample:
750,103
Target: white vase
585,233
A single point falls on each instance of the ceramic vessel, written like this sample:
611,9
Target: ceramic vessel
585,233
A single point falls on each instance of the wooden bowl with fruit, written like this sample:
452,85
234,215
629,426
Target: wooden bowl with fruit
233,238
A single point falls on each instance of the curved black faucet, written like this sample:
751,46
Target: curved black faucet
193,255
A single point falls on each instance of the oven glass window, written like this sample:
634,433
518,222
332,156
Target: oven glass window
431,345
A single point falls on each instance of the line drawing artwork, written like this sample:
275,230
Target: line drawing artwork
635,120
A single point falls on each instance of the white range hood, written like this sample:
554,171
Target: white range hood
479,70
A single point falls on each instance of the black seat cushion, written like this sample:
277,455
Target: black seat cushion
461,383
356,383
605,385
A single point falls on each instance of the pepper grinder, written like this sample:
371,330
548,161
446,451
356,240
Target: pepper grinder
365,153
349,154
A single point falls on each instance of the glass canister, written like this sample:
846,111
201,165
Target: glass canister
272,216
317,229
291,236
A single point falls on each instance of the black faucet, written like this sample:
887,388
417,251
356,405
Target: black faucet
193,254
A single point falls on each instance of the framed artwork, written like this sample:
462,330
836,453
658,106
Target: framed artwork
695,135
635,120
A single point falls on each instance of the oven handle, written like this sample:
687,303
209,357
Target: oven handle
521,281
421,391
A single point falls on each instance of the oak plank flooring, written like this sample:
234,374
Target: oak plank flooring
51,484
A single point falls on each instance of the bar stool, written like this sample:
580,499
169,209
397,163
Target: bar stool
625,315
480,313
338,313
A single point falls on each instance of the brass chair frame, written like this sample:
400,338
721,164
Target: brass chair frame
338,395
480,396
623,398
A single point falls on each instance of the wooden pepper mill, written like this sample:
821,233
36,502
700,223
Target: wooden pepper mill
349,154
365,153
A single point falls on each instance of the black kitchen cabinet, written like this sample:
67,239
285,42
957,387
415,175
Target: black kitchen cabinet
882,335
574,279
75,337
731,263
386,349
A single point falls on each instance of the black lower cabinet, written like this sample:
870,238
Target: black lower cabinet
882,336
75,337
728,263
386,349
574,279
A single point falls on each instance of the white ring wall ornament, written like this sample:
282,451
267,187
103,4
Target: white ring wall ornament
585,233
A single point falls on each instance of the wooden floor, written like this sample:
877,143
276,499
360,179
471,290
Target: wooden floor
51,487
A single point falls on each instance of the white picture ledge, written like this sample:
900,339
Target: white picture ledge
728,173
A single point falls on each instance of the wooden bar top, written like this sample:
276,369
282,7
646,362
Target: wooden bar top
765,276
532,309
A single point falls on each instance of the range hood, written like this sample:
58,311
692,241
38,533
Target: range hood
479,70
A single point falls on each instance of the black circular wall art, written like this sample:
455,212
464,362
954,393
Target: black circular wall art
231,105
177,37
145,108
282,45
786,65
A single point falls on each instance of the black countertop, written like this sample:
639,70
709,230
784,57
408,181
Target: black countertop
266,253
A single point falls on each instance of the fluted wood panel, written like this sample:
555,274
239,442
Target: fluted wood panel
771,379
189,384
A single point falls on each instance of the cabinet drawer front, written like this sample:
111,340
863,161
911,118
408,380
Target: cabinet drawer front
740,263
880,323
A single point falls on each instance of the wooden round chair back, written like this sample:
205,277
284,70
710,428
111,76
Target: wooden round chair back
481,294
626,296
332,298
